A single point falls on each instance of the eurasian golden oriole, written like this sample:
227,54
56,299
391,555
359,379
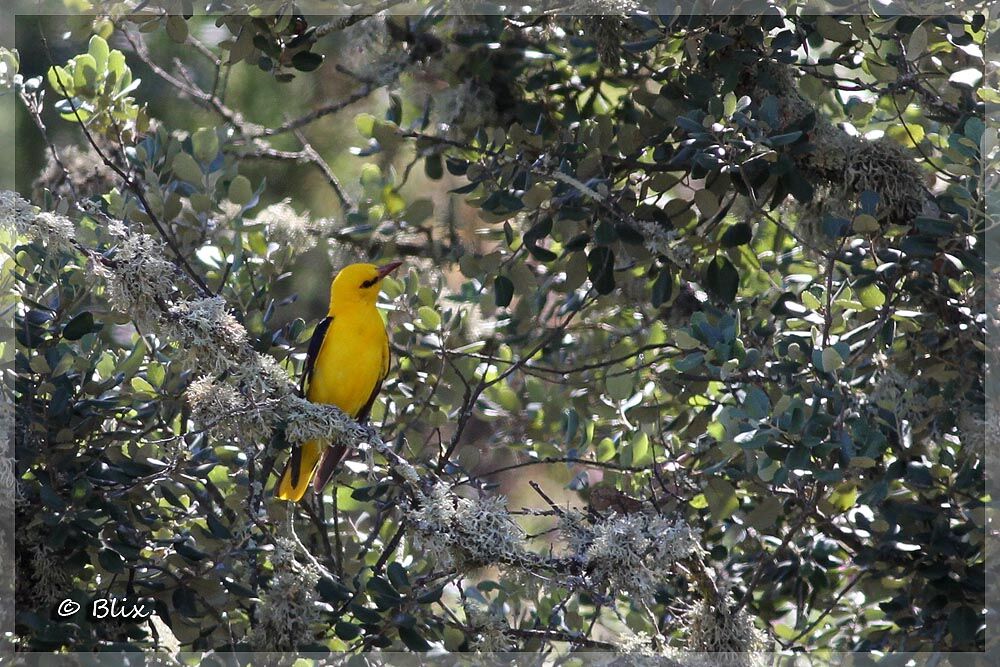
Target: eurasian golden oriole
347,361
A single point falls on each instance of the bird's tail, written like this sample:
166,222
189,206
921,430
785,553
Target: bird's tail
298,471
328,464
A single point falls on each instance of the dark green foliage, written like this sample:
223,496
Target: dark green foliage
660,263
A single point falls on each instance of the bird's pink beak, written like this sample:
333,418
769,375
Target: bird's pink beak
383,271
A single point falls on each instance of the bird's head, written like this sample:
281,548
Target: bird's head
359,282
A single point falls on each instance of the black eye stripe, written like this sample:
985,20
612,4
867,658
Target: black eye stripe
369,283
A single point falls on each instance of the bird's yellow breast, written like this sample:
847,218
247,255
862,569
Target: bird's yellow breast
352,359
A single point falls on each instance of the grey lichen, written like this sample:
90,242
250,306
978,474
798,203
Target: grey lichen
218,406
207,332
286,616
84,169
288,227
607,25
713,628
841,164
629,553
466,533
54,231
141,279
488,629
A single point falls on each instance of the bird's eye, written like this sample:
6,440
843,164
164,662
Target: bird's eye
369,283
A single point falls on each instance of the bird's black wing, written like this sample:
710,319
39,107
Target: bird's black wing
319,334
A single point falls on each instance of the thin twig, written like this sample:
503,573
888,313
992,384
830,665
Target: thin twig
551,460
347,21
192,91
33,104
768,561
315,114
851,584
315,158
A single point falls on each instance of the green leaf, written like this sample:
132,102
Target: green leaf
306,61
601,269
810,300
394,203
865,224
433,167
707,202
729,104
60,80
346,631
216,527
190,552
205,144
428,317
689,362
431,596
765,514
783,139
540,253
381,587
142,386
413,641
832,29
85,72
917,43
964,624
80,326
870,297
722,500
722,279
619,383
757,404
111,560
98,49
51,499
663,288
134,360
397,576
737,235
935,227
116,65
419,211
508,233
832,361
186,169
185,601
641,453
908,135
503,291
974,129
571,423
365,124
332,591
177,28
699,502
240,191
797,184
606,450
604,233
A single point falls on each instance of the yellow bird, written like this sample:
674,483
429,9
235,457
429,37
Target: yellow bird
347,360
